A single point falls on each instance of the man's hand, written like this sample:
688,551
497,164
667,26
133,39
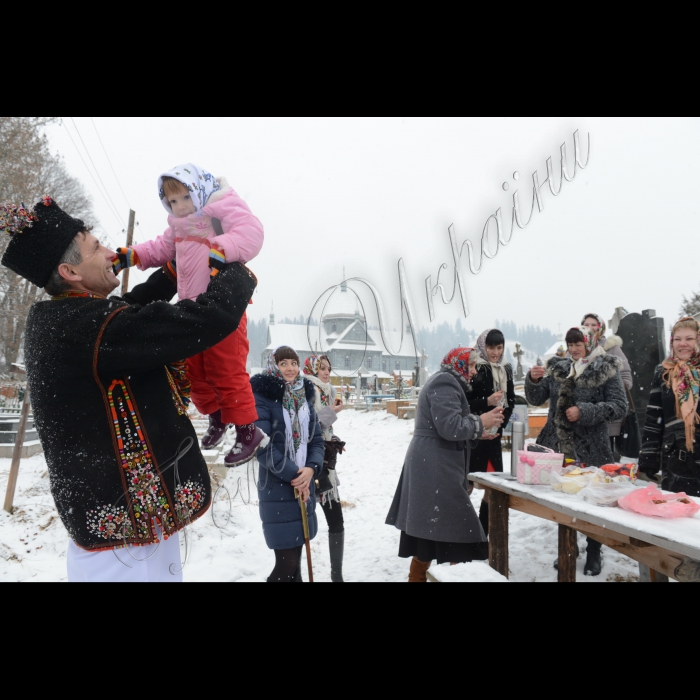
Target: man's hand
486,437
537,374
217,260
125,258
573,415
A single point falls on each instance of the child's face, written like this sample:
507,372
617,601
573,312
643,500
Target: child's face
182,204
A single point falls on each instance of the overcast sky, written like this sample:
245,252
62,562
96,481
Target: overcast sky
363,192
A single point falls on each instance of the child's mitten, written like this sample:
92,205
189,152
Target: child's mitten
217,260
125,258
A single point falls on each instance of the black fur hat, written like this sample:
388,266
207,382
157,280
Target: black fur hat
39,240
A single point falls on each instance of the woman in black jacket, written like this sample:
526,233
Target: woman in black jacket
493,387
671,441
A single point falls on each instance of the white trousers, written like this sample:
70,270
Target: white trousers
158,563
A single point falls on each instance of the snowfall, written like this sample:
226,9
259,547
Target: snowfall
227,545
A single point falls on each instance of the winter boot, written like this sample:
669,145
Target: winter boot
419,572
249,439
594,563
216,433
337,547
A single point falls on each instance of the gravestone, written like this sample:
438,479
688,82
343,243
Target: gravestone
644,339
519,354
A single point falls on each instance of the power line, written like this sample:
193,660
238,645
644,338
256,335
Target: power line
93,177
97,171
110,163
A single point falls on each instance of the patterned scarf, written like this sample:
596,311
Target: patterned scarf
593,351
603,328
684,379
324,392
498,369
294,399
458,361
201,185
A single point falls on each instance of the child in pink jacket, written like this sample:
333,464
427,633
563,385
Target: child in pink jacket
210,226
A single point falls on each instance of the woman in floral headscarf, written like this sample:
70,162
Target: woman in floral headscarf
318,371
292,461
672,427
432,507
613,346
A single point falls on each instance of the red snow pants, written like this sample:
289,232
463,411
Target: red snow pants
220,380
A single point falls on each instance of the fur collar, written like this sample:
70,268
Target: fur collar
225,189
613,342
273,388
600,372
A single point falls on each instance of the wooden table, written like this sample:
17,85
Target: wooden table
669,548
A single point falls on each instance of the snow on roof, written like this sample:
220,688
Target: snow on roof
297,337
342,303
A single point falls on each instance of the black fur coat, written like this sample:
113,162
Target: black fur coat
599,394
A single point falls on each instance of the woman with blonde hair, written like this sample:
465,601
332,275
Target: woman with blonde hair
670,443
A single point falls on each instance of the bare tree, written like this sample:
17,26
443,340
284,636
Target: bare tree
691,307
28,170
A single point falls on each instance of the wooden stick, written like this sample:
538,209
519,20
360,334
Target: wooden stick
17,454
129,243
307,533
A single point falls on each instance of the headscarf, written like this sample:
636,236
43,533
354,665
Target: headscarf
684,379
593,351
296,410
458,361
500,376
603,328
201,185
324,392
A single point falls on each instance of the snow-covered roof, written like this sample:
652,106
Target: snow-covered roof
343,303
297,337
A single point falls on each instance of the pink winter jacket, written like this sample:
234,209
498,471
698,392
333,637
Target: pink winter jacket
189,241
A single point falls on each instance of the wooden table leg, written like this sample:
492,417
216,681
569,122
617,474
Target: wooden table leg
499,515
647,575
568,539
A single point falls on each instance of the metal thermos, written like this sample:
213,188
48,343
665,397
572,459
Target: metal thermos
518,446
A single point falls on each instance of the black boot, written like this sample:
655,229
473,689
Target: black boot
337,547
594,564
298,578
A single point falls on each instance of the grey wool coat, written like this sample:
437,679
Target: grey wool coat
600,396
613,346
432,501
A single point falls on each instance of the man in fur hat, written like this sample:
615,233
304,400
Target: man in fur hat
109,394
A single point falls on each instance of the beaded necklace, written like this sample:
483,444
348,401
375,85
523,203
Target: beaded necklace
72,294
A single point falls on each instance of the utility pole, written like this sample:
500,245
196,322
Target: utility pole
129,243
17,454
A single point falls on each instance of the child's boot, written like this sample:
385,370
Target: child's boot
249,440
216,433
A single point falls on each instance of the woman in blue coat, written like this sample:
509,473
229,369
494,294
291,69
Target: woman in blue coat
292,460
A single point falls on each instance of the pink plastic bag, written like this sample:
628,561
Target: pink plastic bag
654,503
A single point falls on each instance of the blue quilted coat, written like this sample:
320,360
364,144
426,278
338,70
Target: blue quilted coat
279,510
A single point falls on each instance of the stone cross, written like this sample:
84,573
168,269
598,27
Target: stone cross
519,354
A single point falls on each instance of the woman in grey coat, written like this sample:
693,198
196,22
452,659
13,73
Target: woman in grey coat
586,394
612,346
432,507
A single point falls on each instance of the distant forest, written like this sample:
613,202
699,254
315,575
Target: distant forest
437,341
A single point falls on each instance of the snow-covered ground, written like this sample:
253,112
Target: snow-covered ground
33,541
